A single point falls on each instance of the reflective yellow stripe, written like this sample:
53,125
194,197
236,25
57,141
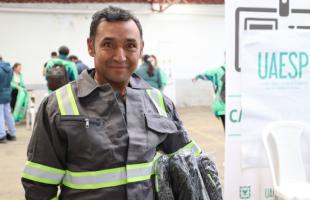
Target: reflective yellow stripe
60,103
118,176
72,100
158,100
162,104
45,168
94,186
110,177
95,173
96,179
192,147
42,173
40,180
66,101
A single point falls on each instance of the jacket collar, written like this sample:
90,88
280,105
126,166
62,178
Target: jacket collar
86,83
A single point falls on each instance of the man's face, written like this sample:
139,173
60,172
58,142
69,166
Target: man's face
116,48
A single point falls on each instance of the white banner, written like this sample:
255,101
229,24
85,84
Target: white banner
275,85
268,79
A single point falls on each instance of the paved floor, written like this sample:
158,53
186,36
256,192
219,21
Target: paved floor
203,127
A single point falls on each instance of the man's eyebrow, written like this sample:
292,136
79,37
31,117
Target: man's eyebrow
131,40
108,38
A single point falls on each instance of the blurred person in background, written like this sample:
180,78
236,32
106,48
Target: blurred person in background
53,55
63,59
6,118
19,95
60,70
79,64
217,77
151,73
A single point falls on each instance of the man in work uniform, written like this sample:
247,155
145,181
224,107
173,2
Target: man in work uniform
97,137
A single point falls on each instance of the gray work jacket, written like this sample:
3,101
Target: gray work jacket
97,153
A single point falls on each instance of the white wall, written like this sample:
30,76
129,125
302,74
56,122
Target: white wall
187,39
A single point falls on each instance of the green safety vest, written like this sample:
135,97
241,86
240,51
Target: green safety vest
103,178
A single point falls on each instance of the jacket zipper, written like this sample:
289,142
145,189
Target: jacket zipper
87,121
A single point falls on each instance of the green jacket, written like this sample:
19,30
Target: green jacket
158,80
217,77
21,104
15,84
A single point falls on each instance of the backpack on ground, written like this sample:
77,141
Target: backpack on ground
56,77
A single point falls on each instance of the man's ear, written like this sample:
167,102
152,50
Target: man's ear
91,47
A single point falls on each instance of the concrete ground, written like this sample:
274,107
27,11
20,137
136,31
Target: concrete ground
202,126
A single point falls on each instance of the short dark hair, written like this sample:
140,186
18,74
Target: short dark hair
53,54
112,14
64,50
145,58
73,57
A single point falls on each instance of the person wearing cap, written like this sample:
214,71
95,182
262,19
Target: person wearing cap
96,138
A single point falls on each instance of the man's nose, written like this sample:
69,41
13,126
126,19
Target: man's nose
120,55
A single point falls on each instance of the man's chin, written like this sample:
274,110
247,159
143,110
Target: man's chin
120,79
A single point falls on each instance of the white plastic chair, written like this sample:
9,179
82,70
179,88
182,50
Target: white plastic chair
282,141
31,112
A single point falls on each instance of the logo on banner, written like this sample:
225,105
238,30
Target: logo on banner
245,192
282,65
250,19
269,193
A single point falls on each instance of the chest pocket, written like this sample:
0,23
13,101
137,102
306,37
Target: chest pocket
158,125
158,128
84,135
87,136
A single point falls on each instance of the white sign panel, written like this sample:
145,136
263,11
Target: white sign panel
268,79
275,85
